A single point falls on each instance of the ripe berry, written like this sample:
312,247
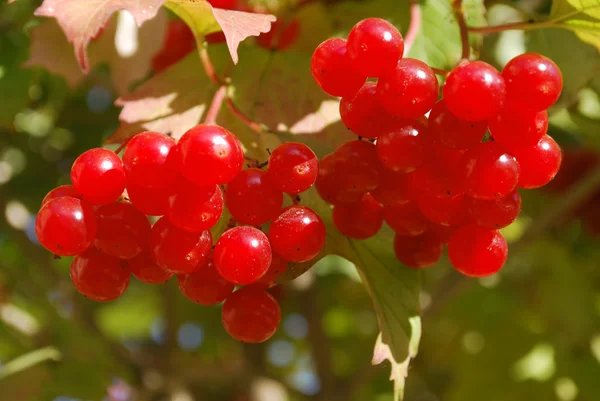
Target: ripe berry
98,276
251,197
293,167
331,68
539,163
405,147
205,286
150,201
440,175
357,166
446,211
209,155
532,81
282,35
193,207
474,91
477,251
360,220
516,127
66,226
224,4
242,255
150,160
394,188
277,268
59,192
496,213
453,132
443,233
145,269
363,114
418,252
177,250
123,231
328,185
410,90
251,315
488,171
406,219
297,234
98,175
375,46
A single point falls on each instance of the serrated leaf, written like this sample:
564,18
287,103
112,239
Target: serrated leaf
580,16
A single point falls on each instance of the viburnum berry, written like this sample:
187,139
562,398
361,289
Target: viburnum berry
293,167
331,68
406,219
150,201
374,46
150,160
98,175
477,251
193,207
282,35
532,81
449,130
539,163
363,114
405,147
145,269
59,192
474,91
443,233
488,171
328,186
516,127
446,210
177,250
123,231
66,226
297,234
251,197
495,213
357,166
418,252
205,286
242,255
360,220
394,188
98,276
251,315
410,90
277,268
440,175
209,155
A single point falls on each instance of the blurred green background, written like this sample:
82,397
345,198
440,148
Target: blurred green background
531,332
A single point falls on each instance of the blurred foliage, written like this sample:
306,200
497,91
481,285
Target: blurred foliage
529,332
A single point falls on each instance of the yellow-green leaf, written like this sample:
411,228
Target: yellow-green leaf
580,16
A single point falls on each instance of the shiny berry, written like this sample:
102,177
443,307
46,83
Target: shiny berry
539,163
293,167
205,286
297,234
145,269
445,210
477,251
123,231
331,68
59,192
406,219
363,114
98,276
193,207
357,166
251,197
418,252
394,188
150,160
150,201
360,220
328,186
516,127
405,147
495,213
277,268
453,132
98,175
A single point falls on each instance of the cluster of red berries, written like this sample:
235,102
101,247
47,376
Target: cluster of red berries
111,236
439,179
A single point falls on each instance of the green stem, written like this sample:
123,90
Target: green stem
29,360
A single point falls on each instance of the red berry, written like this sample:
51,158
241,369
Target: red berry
406,219
363,114
145,269
405,147
539,163
418,252
251,197
150,160
66,226
410,90
177,250
178,42
488,171
282,35
446,210
496,213
331,68
193,207
150,201
477,251
98,175
453,132
59,192
360,220
224,4
277,268
242,255
98,276
532,81
394,188
123,231
293,167
474,91
357,166
443,233
297,234
209,155
328,185
205,286
251,315
375,46
516,128
440,175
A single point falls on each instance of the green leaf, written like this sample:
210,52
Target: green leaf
580,16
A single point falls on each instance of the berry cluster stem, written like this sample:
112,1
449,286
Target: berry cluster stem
215,105
414,27
459,14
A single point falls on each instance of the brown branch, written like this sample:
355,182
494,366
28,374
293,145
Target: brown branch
215,106
459,14
524,26
414,26
441,72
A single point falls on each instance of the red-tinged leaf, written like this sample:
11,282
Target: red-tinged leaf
82,20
